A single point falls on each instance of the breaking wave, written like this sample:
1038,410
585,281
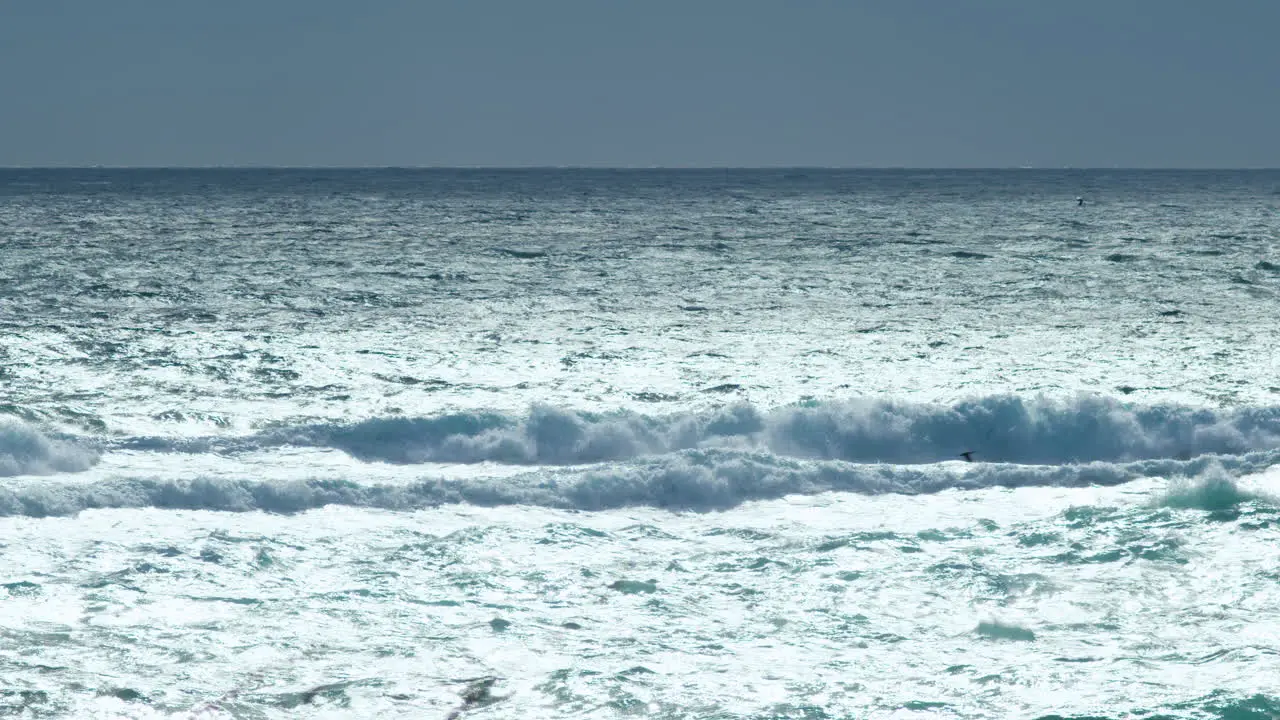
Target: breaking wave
691,480
24,450
1003,428
698,461
1215,489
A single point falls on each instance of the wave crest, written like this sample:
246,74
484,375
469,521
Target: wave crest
1002,428
26,451
692,480
1215,490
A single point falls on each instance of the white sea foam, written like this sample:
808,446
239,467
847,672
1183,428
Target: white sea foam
323,443
24,450
696,480
1003,428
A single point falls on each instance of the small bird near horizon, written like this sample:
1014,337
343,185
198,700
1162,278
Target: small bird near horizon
967,455
1080,202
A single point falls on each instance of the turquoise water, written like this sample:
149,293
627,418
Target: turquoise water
642,443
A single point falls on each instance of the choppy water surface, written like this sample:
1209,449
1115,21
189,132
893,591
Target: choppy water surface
670,444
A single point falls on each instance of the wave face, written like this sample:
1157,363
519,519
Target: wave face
1002,428
711,460
697,461
691,480
24,450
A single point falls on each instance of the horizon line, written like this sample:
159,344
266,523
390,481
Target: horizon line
1204,168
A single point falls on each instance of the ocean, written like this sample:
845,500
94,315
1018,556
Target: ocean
639,443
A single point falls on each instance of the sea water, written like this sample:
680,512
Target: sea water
667,444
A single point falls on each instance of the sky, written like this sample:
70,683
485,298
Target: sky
639,83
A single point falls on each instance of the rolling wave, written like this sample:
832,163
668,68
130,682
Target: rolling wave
697,461
1002,428
24,450
691,480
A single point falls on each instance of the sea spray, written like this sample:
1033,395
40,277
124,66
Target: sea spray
995,429
1214,490
24,450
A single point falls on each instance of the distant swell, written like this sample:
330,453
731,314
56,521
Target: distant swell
695,480
1004,428
26,451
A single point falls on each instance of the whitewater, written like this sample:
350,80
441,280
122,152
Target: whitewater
639,443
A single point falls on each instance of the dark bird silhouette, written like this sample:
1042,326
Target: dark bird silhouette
967,455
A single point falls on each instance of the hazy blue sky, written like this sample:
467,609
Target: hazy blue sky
1152,83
